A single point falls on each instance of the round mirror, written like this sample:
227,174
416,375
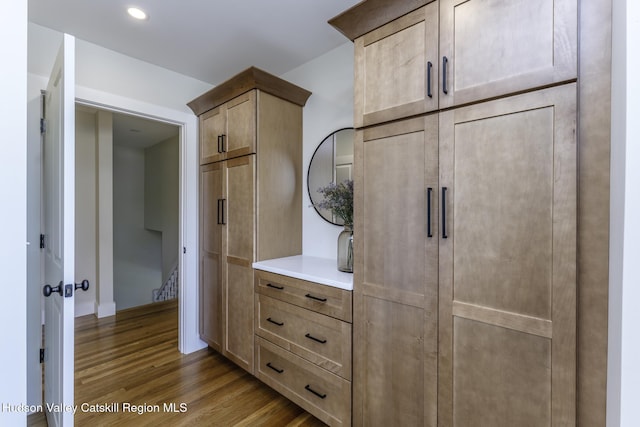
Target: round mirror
332,162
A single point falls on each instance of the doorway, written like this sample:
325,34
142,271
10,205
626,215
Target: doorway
132,222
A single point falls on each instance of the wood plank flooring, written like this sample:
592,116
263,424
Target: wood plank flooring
132,358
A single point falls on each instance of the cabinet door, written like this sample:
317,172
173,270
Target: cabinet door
212,127
395,279
211,265
496,47
507,324
396,68
239,244
240,137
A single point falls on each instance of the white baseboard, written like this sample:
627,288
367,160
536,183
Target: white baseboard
105,309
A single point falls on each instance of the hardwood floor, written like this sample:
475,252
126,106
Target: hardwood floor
133,359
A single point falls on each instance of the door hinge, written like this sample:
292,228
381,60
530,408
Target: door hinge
42,355
43,126
184,249
42,245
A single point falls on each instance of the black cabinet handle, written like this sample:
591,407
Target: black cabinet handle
219,143
429,66
269,319
429,195
223,137
221,216
320,395
316,298
444,212
444,75
269,365
311,337
269,285
219,211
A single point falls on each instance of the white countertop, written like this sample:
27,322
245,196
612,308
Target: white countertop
313,269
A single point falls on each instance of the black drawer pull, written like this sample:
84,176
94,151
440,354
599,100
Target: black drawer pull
320,395
316,298
275,322
269,285
269,365
311,337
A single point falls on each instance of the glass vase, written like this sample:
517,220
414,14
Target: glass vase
345,249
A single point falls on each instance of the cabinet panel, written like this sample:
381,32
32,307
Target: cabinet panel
240,208
501,377
395,274
508,264
238,314
211,255
212,125
239,254
396,68
240,133
496,47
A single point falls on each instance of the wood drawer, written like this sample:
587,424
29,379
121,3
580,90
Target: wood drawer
323,299
323,394
322,340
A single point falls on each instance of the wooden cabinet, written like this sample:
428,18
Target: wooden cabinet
395,274
396,68
211,256
507,267
494,48
465,213
454,52
229,130
250,197
301,351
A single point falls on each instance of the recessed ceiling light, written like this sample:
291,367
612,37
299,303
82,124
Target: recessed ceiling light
137,13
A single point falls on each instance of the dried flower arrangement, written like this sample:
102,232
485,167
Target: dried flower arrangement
338,198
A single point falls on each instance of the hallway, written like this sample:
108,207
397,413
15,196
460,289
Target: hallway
129,363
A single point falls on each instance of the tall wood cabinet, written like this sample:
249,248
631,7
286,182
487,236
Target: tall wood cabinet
465,212
250,198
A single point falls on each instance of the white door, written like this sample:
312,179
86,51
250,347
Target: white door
58,212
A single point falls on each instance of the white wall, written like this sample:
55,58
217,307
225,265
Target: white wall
85,210
330,107
161,191
137,252
13,193
623,387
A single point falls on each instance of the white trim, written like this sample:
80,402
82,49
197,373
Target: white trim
188,336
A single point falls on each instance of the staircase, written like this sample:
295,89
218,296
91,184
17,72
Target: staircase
169,289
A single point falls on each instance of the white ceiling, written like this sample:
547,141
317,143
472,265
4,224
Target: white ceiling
209,40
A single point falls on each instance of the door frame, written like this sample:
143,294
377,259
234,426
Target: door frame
188,335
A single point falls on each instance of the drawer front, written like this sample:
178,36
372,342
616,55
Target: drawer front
323,299
322,340
323,394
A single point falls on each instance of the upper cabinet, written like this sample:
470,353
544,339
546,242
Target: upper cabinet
491,48
228,113
449,53
396,68
229,130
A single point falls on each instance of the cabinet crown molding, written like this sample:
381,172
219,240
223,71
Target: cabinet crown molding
249,79
371,14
